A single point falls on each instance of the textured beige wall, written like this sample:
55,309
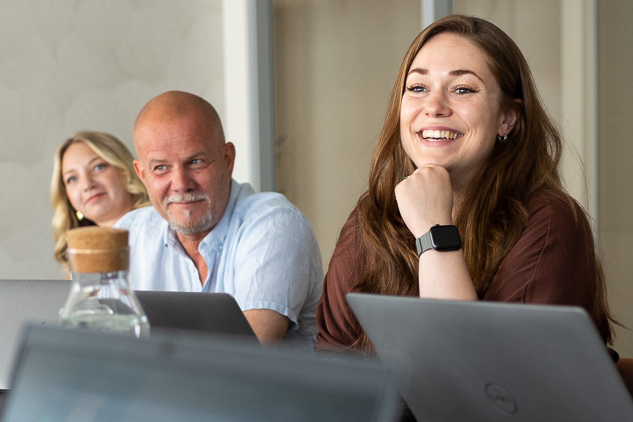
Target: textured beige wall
616,158
335,62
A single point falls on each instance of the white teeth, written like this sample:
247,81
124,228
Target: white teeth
439,134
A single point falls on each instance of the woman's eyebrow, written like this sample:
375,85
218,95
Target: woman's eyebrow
460,72
419,70
457,72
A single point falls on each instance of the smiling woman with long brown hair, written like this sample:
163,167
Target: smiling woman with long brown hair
467,157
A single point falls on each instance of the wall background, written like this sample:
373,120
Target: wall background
616,155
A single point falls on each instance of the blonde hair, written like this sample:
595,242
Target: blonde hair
112,151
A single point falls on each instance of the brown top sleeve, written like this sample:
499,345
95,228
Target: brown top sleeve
553,260
338,327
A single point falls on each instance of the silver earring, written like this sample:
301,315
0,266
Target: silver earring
502,138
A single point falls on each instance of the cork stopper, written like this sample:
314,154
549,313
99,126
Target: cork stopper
97,249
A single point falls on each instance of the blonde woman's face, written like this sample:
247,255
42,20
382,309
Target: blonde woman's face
94,187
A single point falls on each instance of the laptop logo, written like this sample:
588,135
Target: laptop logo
501,398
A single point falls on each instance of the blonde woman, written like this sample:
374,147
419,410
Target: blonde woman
93,183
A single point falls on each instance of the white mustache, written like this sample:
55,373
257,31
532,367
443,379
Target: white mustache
185,197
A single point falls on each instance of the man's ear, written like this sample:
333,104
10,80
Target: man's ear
229,156
140,170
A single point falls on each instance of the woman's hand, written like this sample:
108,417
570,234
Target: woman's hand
425,198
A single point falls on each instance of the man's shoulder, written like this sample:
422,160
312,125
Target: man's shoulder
146,227
144,215
264,203
271,214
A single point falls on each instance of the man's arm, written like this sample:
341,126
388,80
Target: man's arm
269,326
276,267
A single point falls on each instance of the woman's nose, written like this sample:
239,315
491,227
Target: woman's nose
436,105
88,182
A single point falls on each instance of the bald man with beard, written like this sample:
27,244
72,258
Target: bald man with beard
208,233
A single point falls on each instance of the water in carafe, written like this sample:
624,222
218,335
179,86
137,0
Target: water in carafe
100,297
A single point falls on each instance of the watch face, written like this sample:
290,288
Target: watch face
445,238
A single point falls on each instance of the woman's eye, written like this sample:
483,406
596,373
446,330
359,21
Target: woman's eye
71,179
416,88
100,166
463,90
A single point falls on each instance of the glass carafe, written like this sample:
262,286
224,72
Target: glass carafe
100,297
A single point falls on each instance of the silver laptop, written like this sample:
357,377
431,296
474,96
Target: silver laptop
210,312
39,301
70,375
24,301
485,361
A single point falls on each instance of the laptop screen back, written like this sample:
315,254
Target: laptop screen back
495,361
211,312
22,301
66,375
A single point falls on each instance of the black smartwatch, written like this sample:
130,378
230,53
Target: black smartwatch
440,238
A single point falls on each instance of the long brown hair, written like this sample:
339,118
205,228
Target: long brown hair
492,213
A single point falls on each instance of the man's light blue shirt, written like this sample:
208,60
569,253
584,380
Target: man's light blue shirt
262,251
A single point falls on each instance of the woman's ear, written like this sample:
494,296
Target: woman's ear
509,119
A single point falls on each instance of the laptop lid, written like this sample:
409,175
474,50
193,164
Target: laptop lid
211,312
73,375
490,361
26,301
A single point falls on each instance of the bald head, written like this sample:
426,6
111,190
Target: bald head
172,105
